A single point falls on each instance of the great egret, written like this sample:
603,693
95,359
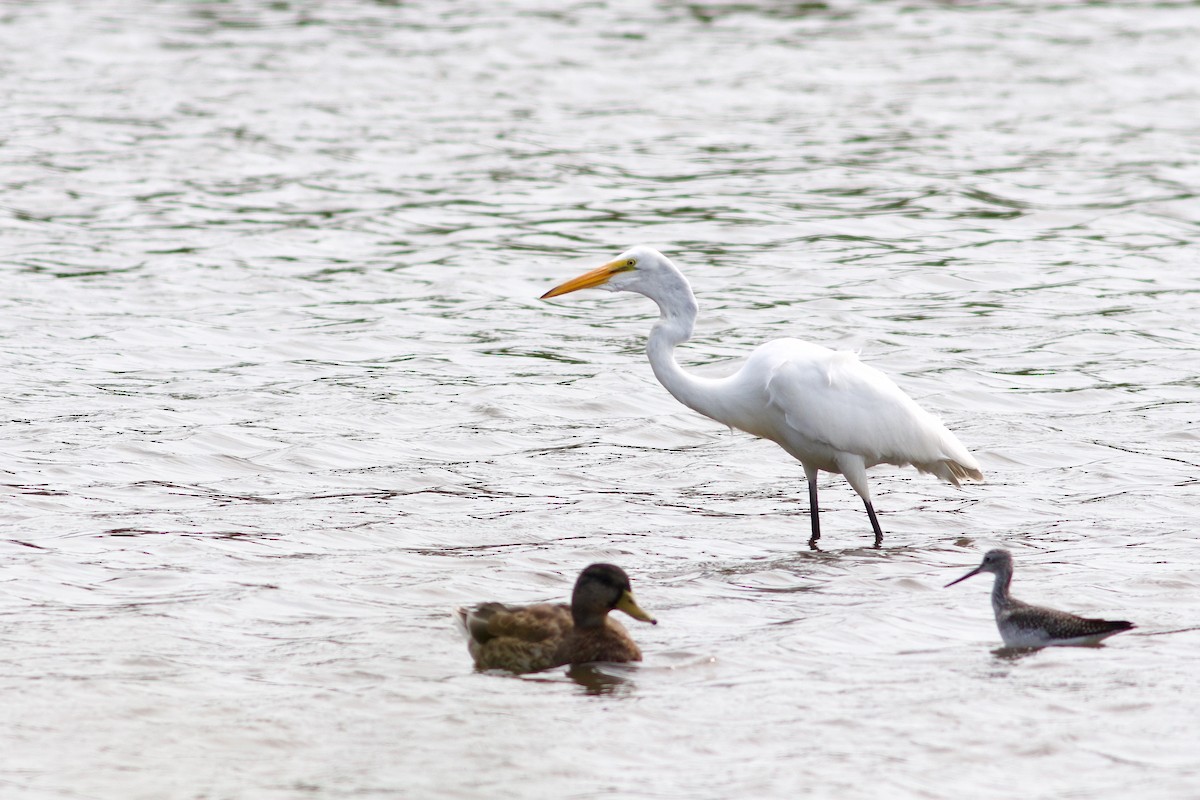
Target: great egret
1023,625
827,409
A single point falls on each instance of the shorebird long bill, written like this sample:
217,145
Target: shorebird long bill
970,574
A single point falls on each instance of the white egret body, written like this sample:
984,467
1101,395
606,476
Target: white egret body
827,409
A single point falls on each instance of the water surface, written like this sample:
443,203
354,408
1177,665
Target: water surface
279,394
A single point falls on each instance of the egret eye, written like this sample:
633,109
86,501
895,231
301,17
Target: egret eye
631,263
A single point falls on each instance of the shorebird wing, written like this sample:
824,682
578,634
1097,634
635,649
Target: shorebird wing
1061,626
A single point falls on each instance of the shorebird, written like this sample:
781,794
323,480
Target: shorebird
1023,625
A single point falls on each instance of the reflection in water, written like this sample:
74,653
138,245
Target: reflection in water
1015,654
607,679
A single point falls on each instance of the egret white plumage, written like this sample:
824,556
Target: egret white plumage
825,408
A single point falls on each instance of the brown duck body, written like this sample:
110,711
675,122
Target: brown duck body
533,638
537,637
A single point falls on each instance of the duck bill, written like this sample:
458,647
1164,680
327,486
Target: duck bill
630,607
972,573
597,277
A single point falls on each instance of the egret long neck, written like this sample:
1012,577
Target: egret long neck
674,327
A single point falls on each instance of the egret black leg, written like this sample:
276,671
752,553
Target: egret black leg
874,523
812,511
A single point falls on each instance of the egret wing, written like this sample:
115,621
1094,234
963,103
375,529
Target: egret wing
832,399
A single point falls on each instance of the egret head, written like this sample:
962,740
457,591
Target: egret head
994,561
639,269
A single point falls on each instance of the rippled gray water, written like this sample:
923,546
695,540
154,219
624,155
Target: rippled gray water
279,394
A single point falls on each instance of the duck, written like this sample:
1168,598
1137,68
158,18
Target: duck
532,638
1027,626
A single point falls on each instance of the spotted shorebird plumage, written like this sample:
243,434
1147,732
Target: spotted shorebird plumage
1023,625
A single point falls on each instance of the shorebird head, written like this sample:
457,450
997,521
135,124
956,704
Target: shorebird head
994,561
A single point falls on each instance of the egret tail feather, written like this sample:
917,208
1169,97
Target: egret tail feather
950,471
